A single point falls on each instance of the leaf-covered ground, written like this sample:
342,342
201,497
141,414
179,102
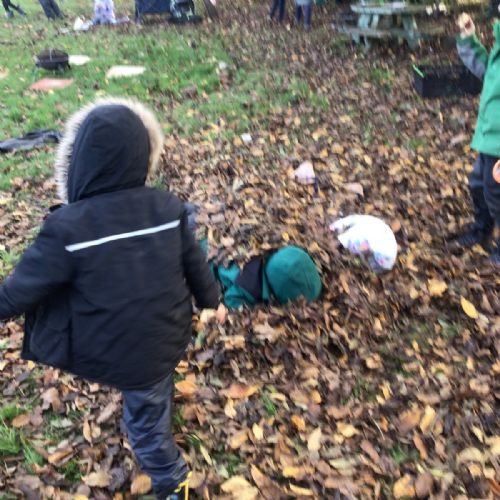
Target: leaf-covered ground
388,385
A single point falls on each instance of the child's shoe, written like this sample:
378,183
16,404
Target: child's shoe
182,490
475,237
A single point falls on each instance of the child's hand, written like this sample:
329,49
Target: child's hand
220,314
466,25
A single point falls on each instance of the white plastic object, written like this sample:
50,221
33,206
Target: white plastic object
369,237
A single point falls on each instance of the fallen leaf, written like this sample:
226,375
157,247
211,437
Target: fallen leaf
368,448
108,411
141,485
298,422
187,387
424,485
21,420
404,487
436,287
238,439
239,488
470,455
238,391
347,430
427,419
314,440
469,308
258,432
99,479
408,420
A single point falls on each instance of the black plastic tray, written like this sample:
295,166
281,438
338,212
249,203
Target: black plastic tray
445,80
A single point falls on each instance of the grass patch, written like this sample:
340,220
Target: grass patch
10,442
269,405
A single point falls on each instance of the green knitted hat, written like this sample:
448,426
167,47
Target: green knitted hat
291,273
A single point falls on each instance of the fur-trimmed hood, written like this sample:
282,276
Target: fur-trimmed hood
108,145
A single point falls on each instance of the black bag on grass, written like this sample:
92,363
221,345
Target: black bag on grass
52,60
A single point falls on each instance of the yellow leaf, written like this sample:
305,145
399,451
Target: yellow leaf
99,479
347,430
229,409
140,485
258,432
314,440
427,419
469,308
238,439
298,422
187,387
294,472
404,487
436,287
301,492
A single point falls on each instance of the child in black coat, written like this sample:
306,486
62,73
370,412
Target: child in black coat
107,284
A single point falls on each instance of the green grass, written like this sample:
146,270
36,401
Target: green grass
269,405
10,442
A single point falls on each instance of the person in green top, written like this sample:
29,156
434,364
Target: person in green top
484,184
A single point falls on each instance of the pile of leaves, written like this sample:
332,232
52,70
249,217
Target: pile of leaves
385,387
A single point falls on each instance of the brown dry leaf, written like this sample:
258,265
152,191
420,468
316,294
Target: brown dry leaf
404,487
347,430
314,440
368,448
469,308
87,432
436,287
59,455
239,391
109,410
238,439
298,422
267,332
419,444
21,420
239,488
424,485
268,488
187,387
51,398
427,419
408,420
141,485
99,479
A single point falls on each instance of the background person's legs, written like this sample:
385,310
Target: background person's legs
147,414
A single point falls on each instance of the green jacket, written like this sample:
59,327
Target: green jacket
487,135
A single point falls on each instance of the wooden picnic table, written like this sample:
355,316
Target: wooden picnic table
390,20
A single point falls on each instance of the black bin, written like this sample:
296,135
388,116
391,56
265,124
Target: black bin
445,80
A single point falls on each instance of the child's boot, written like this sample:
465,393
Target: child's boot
182,491
481,231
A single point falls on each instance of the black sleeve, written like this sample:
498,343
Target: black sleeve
200,279
44,267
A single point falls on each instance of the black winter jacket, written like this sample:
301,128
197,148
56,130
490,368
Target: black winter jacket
107,284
